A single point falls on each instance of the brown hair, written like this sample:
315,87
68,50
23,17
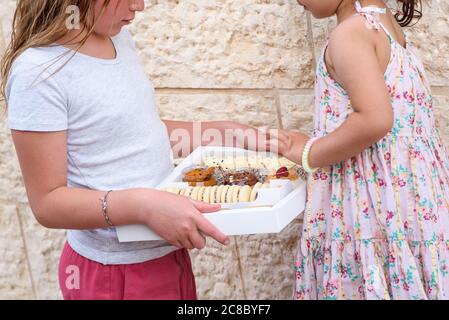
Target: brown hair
39,23
411,10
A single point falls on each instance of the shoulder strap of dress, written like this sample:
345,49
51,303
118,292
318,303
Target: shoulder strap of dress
371,14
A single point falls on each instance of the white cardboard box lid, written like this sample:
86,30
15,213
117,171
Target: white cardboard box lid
231,222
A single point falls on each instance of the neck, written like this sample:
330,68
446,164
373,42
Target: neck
74,37
345,10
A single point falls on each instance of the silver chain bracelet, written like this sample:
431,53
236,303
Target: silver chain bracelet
104,207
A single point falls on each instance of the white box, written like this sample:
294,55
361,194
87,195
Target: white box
277,207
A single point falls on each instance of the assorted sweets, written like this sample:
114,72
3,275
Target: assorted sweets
200,177
221,193
235,179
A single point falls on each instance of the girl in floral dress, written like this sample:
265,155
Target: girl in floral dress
376,224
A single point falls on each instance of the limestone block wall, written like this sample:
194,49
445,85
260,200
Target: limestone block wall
249,60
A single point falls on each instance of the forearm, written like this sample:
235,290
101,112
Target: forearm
188,135
356,134
71,208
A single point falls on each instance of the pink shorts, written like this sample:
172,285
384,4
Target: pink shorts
166,278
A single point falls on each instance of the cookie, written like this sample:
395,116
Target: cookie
284,173
228,163
241,162
284,162
229,194
223,193
211,161
235,194
187,192
245,194
206,194
270,162
210,182
198,175
239,177
213,195
218,194
194,193
199,197
254,191
253,162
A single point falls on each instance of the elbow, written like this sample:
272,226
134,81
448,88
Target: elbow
42,219
44,210
383,130
386,125
42,216
380,127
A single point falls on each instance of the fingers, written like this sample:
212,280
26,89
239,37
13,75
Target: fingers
205,207
267,137
192,232
210,230
197,240
191,240
182,236
176,243
278,141
273,146
183,240
278,134
260,144
257,143
187,244
277,146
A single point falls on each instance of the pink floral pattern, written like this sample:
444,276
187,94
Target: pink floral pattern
377,225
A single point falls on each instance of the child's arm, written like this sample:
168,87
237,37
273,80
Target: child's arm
43,162
352,51
212,133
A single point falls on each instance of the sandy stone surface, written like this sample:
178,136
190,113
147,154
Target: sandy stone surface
249,60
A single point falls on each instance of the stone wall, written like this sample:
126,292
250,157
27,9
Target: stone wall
247,60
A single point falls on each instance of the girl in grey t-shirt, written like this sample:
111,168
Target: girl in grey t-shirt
92,148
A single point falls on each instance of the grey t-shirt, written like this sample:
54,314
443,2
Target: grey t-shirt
115,139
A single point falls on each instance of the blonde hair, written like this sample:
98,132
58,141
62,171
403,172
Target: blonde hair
39,23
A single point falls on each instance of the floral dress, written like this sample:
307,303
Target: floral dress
376,226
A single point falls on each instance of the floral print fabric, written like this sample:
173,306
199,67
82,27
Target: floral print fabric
376,226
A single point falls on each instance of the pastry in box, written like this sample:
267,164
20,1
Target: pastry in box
258,192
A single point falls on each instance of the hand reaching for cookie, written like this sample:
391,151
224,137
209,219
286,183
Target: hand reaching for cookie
289,144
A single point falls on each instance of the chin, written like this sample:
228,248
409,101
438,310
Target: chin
320,16
115,31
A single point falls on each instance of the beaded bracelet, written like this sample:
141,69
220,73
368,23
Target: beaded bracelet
305,156
104,208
